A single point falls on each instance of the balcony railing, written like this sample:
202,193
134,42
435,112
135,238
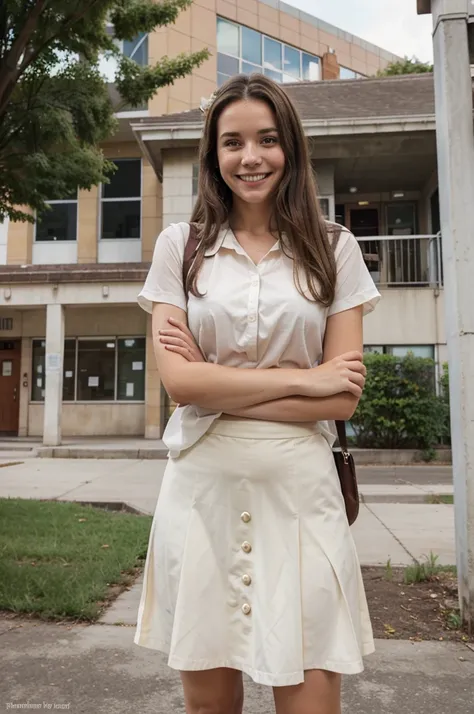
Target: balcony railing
409,261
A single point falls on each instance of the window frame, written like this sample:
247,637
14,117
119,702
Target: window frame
98,338
55,202
262,50
122,199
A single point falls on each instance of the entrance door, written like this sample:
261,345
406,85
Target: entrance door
364,222
10,355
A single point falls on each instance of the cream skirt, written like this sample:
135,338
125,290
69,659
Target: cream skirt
251,563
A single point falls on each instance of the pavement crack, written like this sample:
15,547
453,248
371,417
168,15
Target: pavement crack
391,532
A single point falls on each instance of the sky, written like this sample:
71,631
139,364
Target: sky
391,24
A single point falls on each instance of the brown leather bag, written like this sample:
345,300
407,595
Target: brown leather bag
343,458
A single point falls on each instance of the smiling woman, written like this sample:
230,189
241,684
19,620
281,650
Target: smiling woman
251,566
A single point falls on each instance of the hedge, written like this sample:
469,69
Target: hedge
399,407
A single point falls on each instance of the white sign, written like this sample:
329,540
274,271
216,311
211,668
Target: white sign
129,389
137,366
93,382
39,382
68,374
53,361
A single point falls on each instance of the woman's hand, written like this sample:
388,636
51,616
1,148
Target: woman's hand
345,373
180,339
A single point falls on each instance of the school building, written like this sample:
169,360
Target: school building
76,354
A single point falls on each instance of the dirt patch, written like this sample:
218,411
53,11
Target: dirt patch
425,610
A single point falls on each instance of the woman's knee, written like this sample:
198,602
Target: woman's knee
217,691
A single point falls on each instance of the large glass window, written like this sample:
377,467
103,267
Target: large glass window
242,50
38,376
59,221
108,369
346,73
136,49
131,369
426,351
121,201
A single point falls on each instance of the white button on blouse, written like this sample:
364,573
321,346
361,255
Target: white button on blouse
251,316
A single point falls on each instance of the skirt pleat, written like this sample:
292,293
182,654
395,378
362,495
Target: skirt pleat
251,563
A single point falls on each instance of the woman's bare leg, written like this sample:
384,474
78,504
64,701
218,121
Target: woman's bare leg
320,693
213,691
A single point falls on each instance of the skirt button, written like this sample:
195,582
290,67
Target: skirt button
246,579
246,547
245,516
246,609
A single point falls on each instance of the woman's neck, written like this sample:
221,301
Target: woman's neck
251,218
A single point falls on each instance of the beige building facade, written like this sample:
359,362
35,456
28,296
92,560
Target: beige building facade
76,354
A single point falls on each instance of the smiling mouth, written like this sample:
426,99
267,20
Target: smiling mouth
253,178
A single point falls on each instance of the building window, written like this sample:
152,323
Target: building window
346,73
95,370
242,50
59,221
136,49
121,201
426,351
38,376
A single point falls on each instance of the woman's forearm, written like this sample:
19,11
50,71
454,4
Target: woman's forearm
301,409
213,386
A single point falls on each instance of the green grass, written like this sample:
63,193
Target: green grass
53,562
422,571
438,498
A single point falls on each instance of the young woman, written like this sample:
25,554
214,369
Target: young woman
251,565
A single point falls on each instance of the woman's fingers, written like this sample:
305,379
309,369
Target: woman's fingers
184,351
180,326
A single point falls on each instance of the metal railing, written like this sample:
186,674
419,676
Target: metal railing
409,261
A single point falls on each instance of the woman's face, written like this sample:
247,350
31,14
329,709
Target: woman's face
251,160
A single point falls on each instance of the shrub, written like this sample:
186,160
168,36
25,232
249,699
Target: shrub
399,407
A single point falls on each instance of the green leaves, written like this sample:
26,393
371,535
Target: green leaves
55,104
405,66
399,407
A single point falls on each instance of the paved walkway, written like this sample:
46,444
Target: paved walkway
98,669
395,521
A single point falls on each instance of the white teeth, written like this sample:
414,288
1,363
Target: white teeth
256,177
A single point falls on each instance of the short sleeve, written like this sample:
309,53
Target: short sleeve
354,285
164,282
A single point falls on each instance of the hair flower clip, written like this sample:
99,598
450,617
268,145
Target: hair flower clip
207,103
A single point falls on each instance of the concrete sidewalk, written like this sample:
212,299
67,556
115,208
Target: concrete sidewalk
395,521
98,669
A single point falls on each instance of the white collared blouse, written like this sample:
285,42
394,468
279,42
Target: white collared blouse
251,316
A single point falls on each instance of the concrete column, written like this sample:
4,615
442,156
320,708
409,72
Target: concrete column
153,416
54,375
454,124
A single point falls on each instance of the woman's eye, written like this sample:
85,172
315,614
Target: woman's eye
232,143
270,140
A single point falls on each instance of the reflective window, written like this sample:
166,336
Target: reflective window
59,221
272,51
292,61
38,376
242,50
228,37
251,46
346,73
311,68
136,49
121,201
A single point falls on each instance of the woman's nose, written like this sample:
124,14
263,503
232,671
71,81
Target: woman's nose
251,156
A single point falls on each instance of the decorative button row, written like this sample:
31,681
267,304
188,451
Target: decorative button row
246,547
246,579
246,609
245,516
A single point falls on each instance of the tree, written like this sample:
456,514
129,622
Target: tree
55,105
405,66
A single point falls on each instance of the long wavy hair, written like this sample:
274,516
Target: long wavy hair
296,210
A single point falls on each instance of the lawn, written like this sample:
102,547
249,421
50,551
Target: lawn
61,560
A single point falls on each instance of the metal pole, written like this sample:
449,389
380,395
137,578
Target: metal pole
455,141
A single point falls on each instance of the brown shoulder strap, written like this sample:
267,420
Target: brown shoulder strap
190,250
335,231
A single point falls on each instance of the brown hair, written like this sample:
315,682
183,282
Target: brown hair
296,206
